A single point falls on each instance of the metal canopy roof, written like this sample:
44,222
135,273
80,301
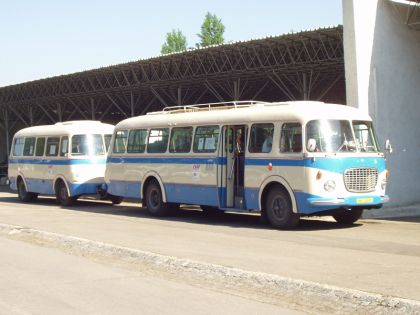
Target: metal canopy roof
409,12
307,65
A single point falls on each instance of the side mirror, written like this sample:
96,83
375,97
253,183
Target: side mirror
388,146
311,146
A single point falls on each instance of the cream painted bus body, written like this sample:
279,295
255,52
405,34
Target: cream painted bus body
205,178
81,173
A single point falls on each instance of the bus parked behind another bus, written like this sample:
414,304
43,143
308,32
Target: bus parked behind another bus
66,159
285,160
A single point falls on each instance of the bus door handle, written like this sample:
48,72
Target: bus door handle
232,168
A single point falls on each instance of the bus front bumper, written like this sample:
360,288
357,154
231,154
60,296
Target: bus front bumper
349,201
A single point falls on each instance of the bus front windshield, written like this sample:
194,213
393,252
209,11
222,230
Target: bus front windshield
87,145
334,136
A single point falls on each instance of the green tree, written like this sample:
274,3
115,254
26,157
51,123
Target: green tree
175,41
212,31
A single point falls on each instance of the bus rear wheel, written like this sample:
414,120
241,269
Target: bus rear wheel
154,200
348,216
63,196
25,195
279,210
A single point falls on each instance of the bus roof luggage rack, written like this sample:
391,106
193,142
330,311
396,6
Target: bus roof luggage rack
207,107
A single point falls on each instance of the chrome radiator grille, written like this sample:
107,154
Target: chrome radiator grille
362,179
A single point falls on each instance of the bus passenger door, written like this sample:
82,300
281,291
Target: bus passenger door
232,172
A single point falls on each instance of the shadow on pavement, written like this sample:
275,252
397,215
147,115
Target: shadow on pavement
410,219
188,214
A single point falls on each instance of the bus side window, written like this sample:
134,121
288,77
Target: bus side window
52,146
137,141
261,138
79,145
64,146
158,140
18,146
120,141
29,147
181,138
206,139
107,140
291,138
40,147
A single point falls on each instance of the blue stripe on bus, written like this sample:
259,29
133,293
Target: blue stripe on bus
57,162
84,189
192,194
166,160
127,189
338,165
274,162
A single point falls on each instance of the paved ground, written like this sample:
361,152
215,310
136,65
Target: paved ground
377,256
57,283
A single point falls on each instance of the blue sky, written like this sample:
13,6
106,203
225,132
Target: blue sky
45,38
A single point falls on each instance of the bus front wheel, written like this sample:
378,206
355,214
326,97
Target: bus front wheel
279,210
25,195
63,196
348,216
154,201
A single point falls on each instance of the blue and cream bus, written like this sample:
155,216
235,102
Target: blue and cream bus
285,160
67,160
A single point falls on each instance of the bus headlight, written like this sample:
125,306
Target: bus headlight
329,185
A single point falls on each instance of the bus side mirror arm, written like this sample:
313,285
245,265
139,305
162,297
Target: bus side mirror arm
388,146
311,145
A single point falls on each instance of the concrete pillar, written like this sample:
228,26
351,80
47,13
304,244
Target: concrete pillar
359,17
383,78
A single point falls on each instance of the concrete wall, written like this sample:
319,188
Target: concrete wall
383,77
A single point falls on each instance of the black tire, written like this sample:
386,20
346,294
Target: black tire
25,195
154,200
116,200
279,210
210,210
62,195
348,217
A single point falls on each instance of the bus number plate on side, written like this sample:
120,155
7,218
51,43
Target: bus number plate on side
364,200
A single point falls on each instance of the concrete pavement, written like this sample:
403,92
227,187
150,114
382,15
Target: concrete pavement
40,280
375,256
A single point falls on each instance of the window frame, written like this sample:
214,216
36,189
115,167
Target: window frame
25,146
22,143
171,139
134,131
282,124
115,139
61,153
250,140
195,148
149,137
58,146
44,146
